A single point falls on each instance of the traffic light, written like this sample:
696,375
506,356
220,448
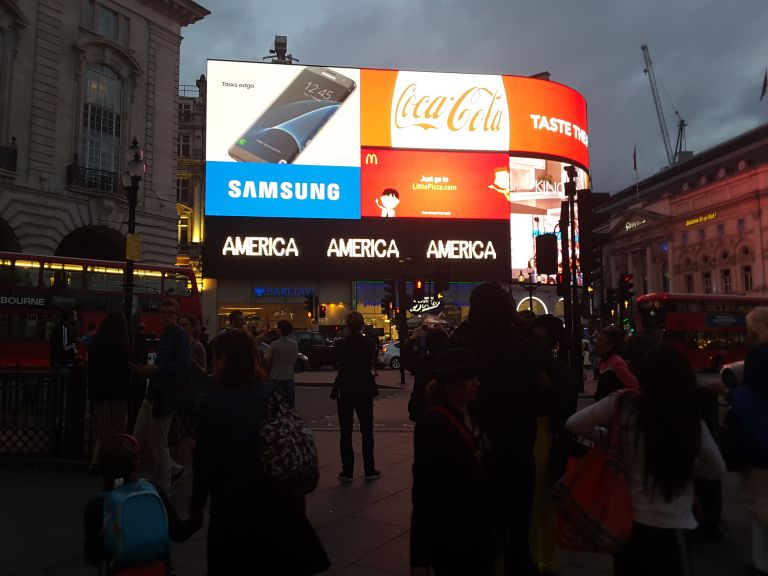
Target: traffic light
390,297
562,286
321,311
390,291
610,303
418,290
442,280
386,307
309,305
626,286
590,217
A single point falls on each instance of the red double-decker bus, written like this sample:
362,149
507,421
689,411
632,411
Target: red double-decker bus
710,329
35,290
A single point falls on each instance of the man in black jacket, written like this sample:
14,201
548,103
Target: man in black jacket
169,381
354,391
63,340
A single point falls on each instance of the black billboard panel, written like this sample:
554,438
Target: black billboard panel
368,249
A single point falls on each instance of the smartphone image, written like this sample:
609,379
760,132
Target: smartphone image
287,127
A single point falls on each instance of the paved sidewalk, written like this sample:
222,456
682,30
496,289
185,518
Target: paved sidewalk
364,525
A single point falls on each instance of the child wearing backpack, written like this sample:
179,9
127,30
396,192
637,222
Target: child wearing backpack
129,524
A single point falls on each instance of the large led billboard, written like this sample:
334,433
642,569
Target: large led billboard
353,149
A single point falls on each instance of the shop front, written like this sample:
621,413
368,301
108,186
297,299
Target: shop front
265,302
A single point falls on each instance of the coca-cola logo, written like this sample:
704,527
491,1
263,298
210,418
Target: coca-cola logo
475,109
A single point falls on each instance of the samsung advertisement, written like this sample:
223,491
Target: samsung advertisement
346,171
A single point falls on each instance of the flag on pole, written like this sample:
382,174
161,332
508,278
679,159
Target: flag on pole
634,158
765,85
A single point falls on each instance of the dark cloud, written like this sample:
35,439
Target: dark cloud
709,57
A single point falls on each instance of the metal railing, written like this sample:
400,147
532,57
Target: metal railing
90,178
44,413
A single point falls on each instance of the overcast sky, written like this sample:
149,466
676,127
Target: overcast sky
709,57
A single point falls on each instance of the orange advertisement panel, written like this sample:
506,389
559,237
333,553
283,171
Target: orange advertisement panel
547,118
434,184
447,111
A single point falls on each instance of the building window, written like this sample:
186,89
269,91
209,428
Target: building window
185,145
184,191
702,234
185,112
689,283
685,238
706,280
741,225
101,119
725,280
720,230
746,278
105,22
183,234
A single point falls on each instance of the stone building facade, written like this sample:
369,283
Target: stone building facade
78,80
698,227
190,174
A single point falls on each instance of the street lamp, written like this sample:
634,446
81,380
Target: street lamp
532,283
133,174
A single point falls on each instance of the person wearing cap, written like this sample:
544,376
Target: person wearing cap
451,521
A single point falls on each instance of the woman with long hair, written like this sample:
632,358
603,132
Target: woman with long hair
664,444
108,379
253,525
451,522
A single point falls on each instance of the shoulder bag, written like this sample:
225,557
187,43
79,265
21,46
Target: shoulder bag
593,500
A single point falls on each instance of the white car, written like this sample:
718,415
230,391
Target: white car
389,355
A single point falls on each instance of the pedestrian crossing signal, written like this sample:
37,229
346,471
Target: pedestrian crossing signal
418,290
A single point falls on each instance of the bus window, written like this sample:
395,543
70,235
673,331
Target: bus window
57,275
694,306
147,281
27,273
104,279
19,326
6,272
177,284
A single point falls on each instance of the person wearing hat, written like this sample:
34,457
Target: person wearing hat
451,522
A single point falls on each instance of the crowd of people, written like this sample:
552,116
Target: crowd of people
495,407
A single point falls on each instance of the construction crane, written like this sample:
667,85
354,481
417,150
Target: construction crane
673,156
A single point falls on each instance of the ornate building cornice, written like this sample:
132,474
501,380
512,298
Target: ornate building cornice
185,12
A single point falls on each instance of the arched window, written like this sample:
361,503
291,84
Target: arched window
102,119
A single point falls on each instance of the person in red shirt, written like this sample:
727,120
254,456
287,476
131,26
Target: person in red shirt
614,374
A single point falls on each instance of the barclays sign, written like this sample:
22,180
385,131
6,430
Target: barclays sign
282,291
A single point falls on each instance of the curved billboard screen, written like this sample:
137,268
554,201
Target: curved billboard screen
297,143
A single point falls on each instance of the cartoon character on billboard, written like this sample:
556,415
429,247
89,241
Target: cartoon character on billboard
501,181
387,202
